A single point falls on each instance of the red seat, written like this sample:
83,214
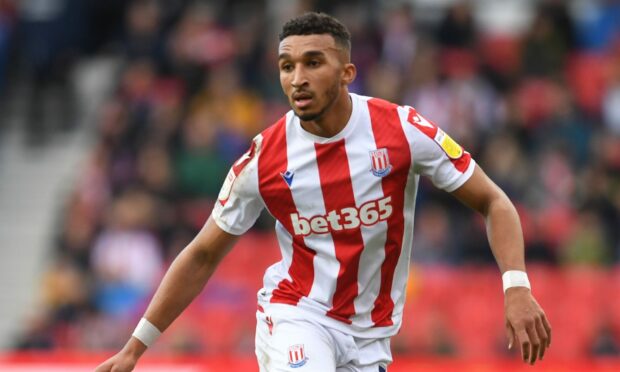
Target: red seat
502,54
586,75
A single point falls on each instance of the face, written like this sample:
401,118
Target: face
314,71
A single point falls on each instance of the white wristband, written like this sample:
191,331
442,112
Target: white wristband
515,278
146,332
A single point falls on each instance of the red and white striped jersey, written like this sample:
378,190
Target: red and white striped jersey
344,208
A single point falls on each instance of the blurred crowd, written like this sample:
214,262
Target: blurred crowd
530,88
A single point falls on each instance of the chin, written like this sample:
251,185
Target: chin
304,115
308,116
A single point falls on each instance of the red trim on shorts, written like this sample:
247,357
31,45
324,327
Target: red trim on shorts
279,201
389,134
337,188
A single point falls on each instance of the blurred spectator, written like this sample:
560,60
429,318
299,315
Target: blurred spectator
127,258
502,157
384,80
237,111
198,41
7,23
605,343
78,231
38,333
457,29
597,25
198,166
143,39
50,31
154,169
595,194
549,40
611,97
586,244
432,243
399,38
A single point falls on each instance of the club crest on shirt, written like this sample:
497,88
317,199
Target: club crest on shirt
296,356
380,162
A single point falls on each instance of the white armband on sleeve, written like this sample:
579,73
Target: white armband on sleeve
146,332
515,278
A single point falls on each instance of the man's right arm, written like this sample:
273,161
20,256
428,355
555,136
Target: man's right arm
183,281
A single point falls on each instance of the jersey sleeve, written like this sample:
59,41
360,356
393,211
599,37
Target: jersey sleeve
434,153
239,203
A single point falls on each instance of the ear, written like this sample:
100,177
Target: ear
348,74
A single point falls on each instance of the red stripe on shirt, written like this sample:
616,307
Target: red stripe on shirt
242,162
462,164
238,166
337,190
389,134
279,201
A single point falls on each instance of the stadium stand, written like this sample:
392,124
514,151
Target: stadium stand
534,96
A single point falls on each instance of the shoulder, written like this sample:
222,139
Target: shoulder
383,113
402,115
276,129
381,104
374,102
260,142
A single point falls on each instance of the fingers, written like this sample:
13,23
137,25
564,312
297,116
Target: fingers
524,343
511,335
107,366
544,338
535,344
533,338
526,321
547,327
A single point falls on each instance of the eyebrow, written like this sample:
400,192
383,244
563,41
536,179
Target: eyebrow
308,54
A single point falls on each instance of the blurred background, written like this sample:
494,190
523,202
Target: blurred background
119,120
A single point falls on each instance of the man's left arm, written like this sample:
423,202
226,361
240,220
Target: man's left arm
526,322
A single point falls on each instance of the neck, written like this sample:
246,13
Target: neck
333,120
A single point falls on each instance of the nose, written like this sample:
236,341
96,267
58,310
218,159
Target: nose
299,77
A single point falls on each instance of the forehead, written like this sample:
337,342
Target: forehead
299,44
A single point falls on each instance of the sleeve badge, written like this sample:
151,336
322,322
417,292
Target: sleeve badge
449,146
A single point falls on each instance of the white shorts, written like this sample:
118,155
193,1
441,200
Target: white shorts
307,346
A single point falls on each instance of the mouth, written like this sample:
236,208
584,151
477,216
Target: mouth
302,100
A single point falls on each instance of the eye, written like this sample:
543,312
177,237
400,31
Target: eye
314,63
286,67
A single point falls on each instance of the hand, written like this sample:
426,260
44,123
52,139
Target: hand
526,324
125,360
120,362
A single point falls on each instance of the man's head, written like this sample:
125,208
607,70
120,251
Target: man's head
314,63
319,24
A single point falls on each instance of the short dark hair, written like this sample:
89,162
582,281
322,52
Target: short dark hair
313,23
